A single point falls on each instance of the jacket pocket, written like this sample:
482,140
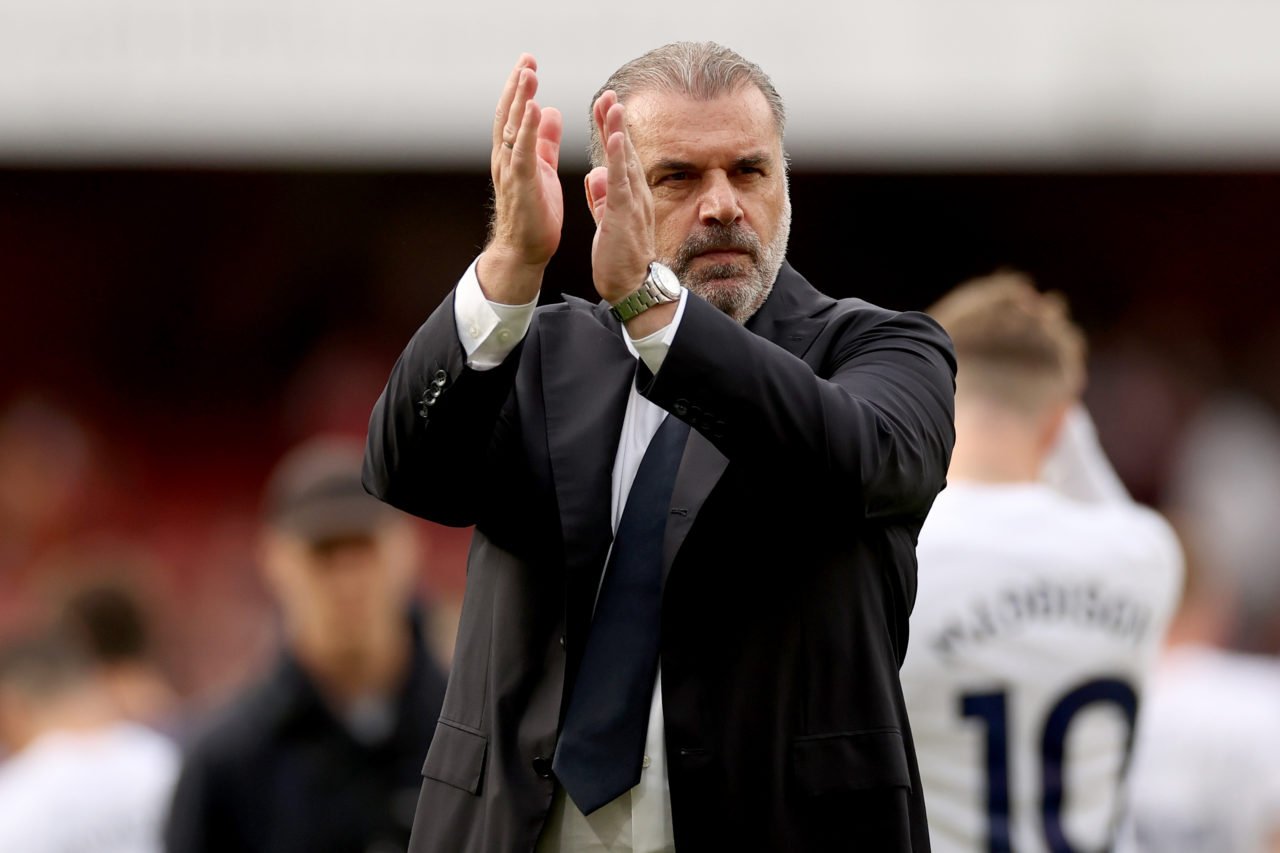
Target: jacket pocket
850,761
456,757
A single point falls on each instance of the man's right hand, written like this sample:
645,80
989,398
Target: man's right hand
528,206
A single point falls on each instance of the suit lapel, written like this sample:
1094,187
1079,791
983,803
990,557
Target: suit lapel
700,470
586,376
793,315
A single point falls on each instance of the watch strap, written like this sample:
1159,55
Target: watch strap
646,296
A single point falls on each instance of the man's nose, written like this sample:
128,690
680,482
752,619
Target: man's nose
719,202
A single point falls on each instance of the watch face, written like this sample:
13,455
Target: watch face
665,280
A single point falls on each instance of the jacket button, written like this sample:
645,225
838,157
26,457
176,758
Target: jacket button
542,766
680,408
441,377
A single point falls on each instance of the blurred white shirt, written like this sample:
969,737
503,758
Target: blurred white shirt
106,791
1206,771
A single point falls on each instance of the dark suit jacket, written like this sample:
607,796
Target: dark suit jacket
822,434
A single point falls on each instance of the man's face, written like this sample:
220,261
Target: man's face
718,177
334,593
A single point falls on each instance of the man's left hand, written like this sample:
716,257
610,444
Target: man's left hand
621,205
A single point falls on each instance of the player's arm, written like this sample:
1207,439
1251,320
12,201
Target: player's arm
1077,465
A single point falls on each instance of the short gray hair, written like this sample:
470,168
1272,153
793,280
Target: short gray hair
701,70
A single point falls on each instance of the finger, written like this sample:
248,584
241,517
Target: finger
508,95
597,187
615,157
550,132
600,109
611,116
615,119
524,153
616,123
635,168
615,149
526,88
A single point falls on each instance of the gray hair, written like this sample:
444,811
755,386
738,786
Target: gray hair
701,70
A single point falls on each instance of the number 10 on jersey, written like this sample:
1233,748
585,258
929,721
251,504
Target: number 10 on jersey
992,709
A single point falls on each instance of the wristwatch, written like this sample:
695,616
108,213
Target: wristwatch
659,287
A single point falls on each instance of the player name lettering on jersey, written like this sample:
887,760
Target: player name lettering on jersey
1088,606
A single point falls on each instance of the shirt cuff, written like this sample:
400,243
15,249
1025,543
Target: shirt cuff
652,348
488,331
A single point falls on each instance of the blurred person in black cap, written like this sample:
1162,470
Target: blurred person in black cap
325,754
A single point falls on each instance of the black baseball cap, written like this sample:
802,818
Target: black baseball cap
315,493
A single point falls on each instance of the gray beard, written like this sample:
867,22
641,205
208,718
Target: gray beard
734,290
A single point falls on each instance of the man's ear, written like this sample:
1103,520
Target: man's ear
596,185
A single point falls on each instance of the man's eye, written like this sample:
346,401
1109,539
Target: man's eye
674,178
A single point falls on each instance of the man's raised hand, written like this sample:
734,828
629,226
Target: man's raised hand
528,204
622,206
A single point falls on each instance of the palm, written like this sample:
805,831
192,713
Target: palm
528,199
621,204
528,204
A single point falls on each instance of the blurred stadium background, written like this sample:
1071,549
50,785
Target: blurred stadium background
219,222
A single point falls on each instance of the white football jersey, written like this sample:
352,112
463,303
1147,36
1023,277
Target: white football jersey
105,791
1037,619
1206,770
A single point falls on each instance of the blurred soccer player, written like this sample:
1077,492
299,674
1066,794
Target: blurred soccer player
1040,606
112,624
1206,765
77,777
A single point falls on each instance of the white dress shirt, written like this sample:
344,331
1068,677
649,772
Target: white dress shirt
639,821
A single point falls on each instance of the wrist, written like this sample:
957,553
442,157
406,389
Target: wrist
653,320
622,285
659,287
506,277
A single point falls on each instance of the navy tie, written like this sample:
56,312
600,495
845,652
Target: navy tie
601,745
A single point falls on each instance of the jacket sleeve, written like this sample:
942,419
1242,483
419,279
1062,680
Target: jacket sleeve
436,427
872,422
